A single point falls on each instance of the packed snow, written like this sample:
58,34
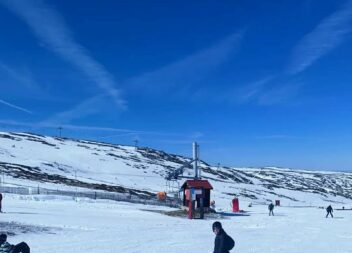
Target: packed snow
65,225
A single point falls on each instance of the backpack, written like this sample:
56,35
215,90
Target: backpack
229,243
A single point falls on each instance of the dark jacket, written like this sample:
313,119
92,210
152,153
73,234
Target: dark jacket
329,209
6,247
220,242
271,207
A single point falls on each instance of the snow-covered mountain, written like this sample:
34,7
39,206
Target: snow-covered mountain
31,160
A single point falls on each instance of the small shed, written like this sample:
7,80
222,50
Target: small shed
197,190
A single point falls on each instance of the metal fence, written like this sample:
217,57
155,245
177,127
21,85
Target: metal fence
21,190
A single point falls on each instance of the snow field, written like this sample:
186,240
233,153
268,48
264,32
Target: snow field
106,226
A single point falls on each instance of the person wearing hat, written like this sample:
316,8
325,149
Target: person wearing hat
223,242
6,247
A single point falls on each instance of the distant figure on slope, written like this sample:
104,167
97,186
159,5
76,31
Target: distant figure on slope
271,209
6,247
223,242
329,210
0,203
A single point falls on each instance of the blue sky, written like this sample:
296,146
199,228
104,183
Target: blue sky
256,83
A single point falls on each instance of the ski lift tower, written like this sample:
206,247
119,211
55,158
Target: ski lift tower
196,192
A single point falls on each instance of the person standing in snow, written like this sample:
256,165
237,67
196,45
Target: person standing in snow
329,210
0,203
6,247
223,242
271,209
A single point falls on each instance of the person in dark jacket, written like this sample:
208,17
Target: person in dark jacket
6,247
271,209
223,242
329,210
0,203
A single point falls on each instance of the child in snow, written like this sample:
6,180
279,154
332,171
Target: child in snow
6,247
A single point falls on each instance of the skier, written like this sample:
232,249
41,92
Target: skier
6,247
0,203
271,209
223,242
329,210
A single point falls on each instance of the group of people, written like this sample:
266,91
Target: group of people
224,243
329,210
6,247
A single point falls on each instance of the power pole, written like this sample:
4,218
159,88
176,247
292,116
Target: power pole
1,179
3,175
196,160
60,129
76,180
136,144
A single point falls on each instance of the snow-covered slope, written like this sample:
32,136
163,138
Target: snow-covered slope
28,159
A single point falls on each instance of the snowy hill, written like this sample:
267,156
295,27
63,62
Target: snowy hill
31,160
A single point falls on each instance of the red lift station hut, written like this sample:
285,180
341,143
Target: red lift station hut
196,196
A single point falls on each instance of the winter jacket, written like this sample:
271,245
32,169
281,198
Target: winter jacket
220,242
329,209
6,248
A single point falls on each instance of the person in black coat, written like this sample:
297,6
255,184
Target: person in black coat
271,209
6,247
329,210
223,242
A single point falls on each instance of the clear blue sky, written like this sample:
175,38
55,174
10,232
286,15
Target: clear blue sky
256,83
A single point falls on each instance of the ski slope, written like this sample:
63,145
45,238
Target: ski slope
64,225
58,163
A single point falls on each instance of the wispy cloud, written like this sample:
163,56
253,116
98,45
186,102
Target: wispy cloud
50,28
189,70
251,91
23,77
86,108
235,94
23,82
326,36
278,137
118,131
279,94
15,106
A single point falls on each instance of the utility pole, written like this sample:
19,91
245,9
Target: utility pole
196,160
76,184
218,167
60,129
3,175
1,179
136,144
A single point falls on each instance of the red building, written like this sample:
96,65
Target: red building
196,195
